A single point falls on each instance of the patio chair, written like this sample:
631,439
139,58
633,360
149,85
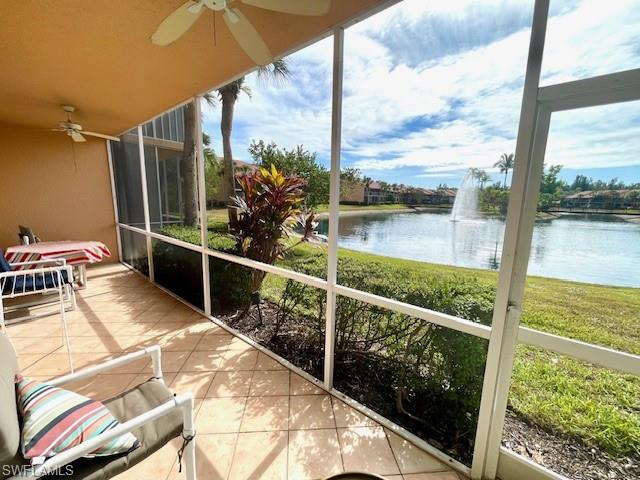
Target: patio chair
150,411
37,277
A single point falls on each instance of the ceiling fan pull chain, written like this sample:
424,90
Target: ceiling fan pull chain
215,37
73,150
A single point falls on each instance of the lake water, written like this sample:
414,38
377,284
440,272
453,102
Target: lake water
601,249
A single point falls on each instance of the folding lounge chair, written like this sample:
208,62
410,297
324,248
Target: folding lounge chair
150,411
48,276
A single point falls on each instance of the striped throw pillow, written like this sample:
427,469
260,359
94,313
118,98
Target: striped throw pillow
55,420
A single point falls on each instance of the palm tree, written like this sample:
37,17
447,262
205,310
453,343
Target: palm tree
189,187
189,170
505,164
212,170
479,176
228,96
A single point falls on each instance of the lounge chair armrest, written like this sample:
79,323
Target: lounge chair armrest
183,402
59,262
154,352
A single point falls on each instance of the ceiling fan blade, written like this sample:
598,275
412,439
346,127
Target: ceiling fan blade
58,129
100,135
247,37
176,24
196,7
294,7
77,137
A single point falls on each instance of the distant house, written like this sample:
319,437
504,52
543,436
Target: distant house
241,167
603,199
354,193
441,196
374,194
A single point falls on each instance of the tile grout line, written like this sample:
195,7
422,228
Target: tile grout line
338,436
235,448
393,452
288,423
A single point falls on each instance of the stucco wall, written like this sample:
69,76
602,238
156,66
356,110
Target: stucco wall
41,187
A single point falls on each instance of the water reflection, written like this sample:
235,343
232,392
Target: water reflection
494,261
589,248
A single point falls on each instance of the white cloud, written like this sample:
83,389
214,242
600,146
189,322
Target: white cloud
290,113
457,107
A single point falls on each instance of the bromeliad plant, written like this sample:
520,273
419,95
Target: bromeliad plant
268,220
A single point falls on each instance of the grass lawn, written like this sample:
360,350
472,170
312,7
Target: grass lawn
220,214
217,215
600,406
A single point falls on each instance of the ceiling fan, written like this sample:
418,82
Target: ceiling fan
181,20
75,130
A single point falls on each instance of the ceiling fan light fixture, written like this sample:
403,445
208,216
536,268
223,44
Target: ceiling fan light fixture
75,131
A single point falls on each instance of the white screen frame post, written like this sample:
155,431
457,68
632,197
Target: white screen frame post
202,199
145,202
334,206
515,256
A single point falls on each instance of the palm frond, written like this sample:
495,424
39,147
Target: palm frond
211,99
246,89
276,73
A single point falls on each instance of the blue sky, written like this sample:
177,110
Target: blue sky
433,88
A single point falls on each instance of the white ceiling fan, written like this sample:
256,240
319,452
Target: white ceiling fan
75,131
178,22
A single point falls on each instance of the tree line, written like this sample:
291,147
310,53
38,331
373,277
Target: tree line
494,196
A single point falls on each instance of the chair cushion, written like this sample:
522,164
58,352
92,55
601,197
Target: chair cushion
153,435
55,420
4,263
9,427
33,283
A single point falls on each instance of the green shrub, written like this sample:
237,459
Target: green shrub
179,232
230,282
223,243
435,373
219,237
179,270
218,227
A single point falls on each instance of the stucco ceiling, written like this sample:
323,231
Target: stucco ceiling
96,55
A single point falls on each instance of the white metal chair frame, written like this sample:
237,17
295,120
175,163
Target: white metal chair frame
183,402
53,269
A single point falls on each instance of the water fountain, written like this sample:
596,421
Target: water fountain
465,206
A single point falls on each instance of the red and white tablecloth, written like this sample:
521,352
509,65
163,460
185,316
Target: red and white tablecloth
75,253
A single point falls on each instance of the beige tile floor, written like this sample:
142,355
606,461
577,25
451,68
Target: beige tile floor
255,418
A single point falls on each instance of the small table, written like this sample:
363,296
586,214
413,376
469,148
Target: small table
77,254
